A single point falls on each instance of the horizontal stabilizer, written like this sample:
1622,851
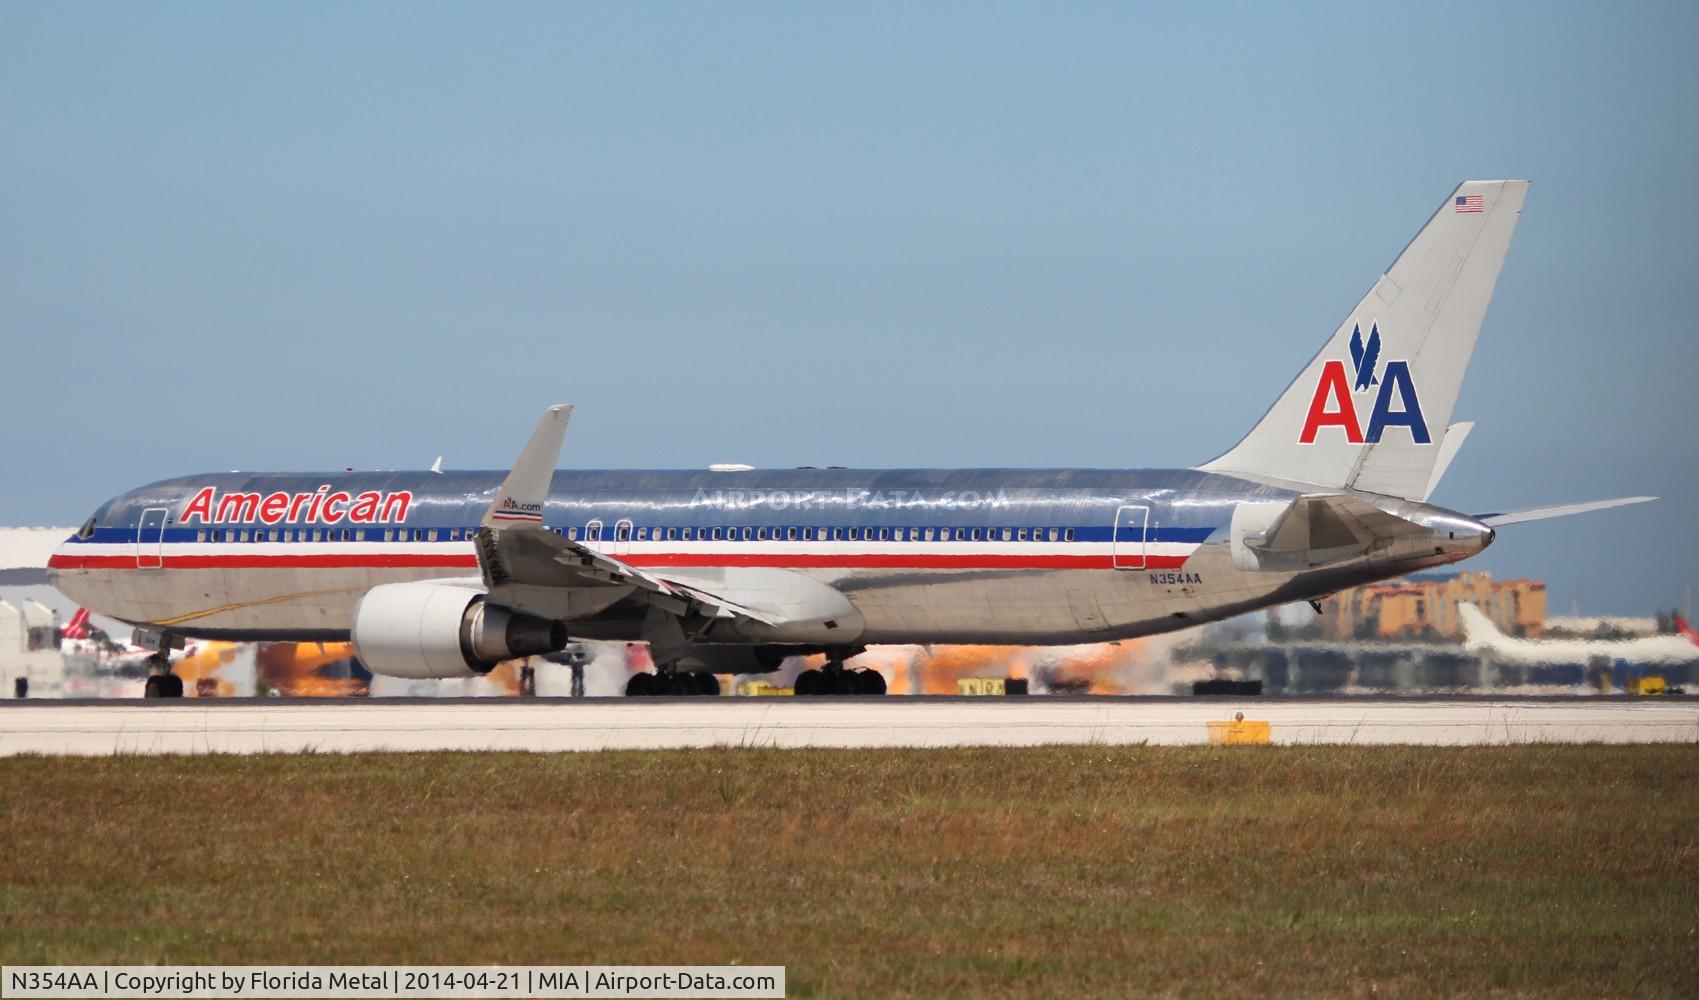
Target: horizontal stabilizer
1313,530
1500,519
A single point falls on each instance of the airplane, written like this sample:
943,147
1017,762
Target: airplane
1479,633
732,569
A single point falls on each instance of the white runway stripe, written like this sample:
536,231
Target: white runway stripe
351,726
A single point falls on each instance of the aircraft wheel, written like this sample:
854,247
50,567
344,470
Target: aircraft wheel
171,686
706,683
642,685
810,682
151,688
679,685
870,682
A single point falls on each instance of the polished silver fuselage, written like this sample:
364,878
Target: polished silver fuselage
985,555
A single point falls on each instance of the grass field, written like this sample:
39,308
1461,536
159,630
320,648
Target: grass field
1565,871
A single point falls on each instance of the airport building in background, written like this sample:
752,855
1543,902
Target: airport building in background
1426,607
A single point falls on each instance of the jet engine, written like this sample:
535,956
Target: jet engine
433,629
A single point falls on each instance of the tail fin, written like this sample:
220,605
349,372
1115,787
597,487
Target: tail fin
1478,630
1686,630
77,627
1369,411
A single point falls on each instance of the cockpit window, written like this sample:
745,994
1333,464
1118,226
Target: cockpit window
87,530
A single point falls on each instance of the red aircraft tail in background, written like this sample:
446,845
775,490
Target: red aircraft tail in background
1687,630
77,627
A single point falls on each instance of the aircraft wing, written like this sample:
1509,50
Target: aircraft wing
516,559
533,569
1556,510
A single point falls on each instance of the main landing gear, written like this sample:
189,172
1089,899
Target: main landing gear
161,682
836,679
679,683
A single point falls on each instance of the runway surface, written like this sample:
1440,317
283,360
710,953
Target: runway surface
262,726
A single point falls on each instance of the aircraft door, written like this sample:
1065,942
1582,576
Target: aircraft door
622,538
1127,548
150,538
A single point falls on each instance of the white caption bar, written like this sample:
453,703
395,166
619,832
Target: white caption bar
446,981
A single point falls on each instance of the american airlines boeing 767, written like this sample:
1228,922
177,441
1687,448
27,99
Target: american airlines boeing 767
731,569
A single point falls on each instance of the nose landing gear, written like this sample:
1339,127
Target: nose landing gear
161,682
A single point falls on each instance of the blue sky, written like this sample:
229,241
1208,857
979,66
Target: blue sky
316,236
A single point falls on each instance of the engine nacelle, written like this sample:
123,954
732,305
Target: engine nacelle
425,629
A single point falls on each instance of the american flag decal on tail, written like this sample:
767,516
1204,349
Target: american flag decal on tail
1468,203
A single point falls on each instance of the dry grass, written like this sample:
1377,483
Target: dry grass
1527,870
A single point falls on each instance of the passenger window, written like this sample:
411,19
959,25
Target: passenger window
748,533
855,534
388,535
672,534
760,534
837,534
790,534
593,531
433,535
200,536
1020,534
1008,534
1068,535
572,534
1054,534
686,533
884,534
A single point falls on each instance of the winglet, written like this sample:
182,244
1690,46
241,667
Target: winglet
523,493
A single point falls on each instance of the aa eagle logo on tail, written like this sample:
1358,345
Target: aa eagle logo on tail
1364,358
1333,406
